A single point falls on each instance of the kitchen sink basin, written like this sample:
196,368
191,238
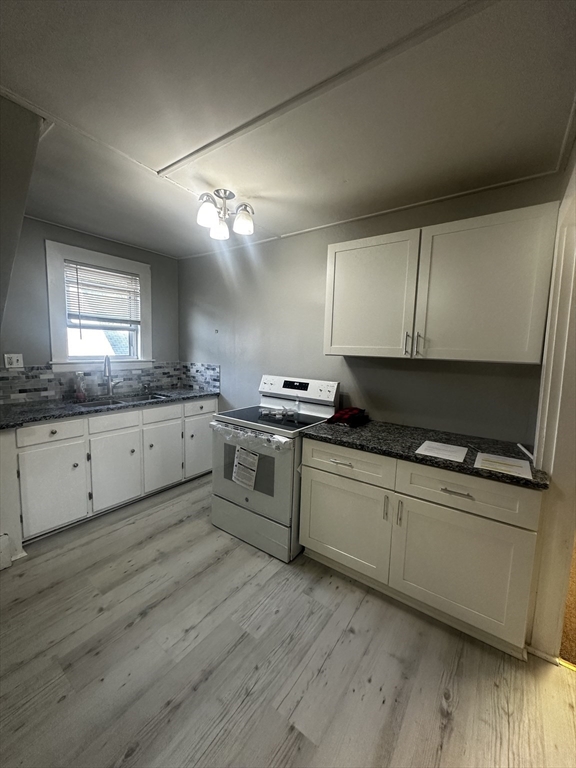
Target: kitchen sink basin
141,399
99,404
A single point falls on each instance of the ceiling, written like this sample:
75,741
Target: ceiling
314,112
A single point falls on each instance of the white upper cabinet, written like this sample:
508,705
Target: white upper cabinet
370,295
475,289
483,287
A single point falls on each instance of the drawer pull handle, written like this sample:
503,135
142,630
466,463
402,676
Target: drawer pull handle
151,445
457,493
201,407
191,436
418,337
53,431
386,505
342,463
406,337
75,465
132,450
399,514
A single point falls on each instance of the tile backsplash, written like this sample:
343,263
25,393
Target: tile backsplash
41,383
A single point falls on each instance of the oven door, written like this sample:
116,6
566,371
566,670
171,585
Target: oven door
272,495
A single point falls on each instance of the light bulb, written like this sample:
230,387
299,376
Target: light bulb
220,231
207,215
243,223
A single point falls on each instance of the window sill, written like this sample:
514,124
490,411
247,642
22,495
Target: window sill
96,365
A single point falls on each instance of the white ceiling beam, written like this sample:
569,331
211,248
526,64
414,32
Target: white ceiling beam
420,35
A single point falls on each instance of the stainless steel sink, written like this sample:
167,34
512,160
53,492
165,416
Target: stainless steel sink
140,399
99,404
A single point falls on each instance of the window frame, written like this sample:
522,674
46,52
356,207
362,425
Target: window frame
56,255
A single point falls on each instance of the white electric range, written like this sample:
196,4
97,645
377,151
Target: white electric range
256,460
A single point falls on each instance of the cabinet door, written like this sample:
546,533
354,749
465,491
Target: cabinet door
347,521
474,569
197,445
483,287
371,289
162,448
53,486
116,468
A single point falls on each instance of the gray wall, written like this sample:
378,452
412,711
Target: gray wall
19,132
25,326
267,305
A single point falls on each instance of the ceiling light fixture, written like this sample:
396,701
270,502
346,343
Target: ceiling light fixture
213,215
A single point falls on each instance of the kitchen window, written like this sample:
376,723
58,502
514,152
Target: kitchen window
102,312
99,305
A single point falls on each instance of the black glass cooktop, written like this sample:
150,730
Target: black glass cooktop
267,417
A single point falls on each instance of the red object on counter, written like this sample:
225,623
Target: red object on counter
352,417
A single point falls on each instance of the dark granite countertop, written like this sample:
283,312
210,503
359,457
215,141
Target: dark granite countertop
401,442
12,416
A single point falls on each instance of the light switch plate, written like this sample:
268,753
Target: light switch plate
13,360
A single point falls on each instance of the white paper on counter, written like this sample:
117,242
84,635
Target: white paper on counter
245,467
443,451
509,466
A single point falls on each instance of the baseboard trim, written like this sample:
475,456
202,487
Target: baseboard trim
542,655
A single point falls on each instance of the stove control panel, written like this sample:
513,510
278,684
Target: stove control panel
307,390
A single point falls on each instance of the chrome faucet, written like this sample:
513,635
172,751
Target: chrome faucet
108,374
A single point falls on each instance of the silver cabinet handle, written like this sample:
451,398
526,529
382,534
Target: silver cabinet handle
132,450
399,513
342,463
406,337
457,493
151,445
386,505
418,337
75,465
53,431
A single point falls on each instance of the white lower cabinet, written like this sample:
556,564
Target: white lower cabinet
461,565
54,486
197,445
162,448
474,569
116,462
347,521
67,470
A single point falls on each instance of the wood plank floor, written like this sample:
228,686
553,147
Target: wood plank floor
147,637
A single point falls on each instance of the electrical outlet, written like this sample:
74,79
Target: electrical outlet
12,360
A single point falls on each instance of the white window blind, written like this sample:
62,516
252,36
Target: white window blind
101,296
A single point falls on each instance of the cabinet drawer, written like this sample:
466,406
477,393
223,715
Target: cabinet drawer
49,432
110,421
195,407
498,501
348,462
162,413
